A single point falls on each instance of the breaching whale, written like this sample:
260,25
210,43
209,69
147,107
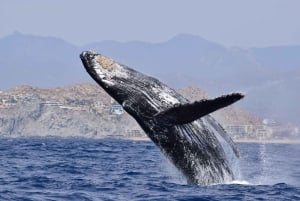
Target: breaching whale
184,131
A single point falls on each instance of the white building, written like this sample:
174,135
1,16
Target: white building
116,108
246,131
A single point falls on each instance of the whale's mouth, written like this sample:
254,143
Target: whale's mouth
86,58
88,55
92,62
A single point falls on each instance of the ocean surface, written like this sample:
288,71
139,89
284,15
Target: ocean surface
111,169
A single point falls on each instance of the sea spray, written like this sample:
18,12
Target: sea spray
263,176
168,168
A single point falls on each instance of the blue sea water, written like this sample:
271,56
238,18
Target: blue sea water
110,169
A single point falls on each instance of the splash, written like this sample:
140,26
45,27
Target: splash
173,174
263,178
240,182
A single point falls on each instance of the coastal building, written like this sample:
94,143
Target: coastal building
11,101
248,131
2,106
269,122
99,104
263,132
239,131
116,108
51,103
134,133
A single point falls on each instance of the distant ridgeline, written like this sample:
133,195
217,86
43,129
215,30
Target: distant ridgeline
85,110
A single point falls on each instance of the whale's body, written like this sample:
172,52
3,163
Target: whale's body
184,131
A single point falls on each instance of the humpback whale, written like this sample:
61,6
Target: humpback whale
184,131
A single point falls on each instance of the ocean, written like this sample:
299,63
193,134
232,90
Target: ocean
114,169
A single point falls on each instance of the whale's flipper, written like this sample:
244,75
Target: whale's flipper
186,113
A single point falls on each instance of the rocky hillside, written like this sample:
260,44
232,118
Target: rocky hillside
79,110
83,110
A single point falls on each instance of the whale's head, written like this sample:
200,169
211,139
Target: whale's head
103,70
128,87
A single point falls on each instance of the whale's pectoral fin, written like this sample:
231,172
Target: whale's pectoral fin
187,113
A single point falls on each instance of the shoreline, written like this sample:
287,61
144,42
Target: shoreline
271,141
145,138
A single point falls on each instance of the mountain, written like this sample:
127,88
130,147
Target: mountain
38,61
281,59
185,57
270,76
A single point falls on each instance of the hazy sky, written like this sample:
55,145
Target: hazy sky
243,23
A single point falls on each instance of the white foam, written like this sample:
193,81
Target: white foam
241,182
237,182
174,175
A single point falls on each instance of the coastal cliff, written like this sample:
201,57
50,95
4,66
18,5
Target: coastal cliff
81,110
85,110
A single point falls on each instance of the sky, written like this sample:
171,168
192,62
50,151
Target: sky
241,23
